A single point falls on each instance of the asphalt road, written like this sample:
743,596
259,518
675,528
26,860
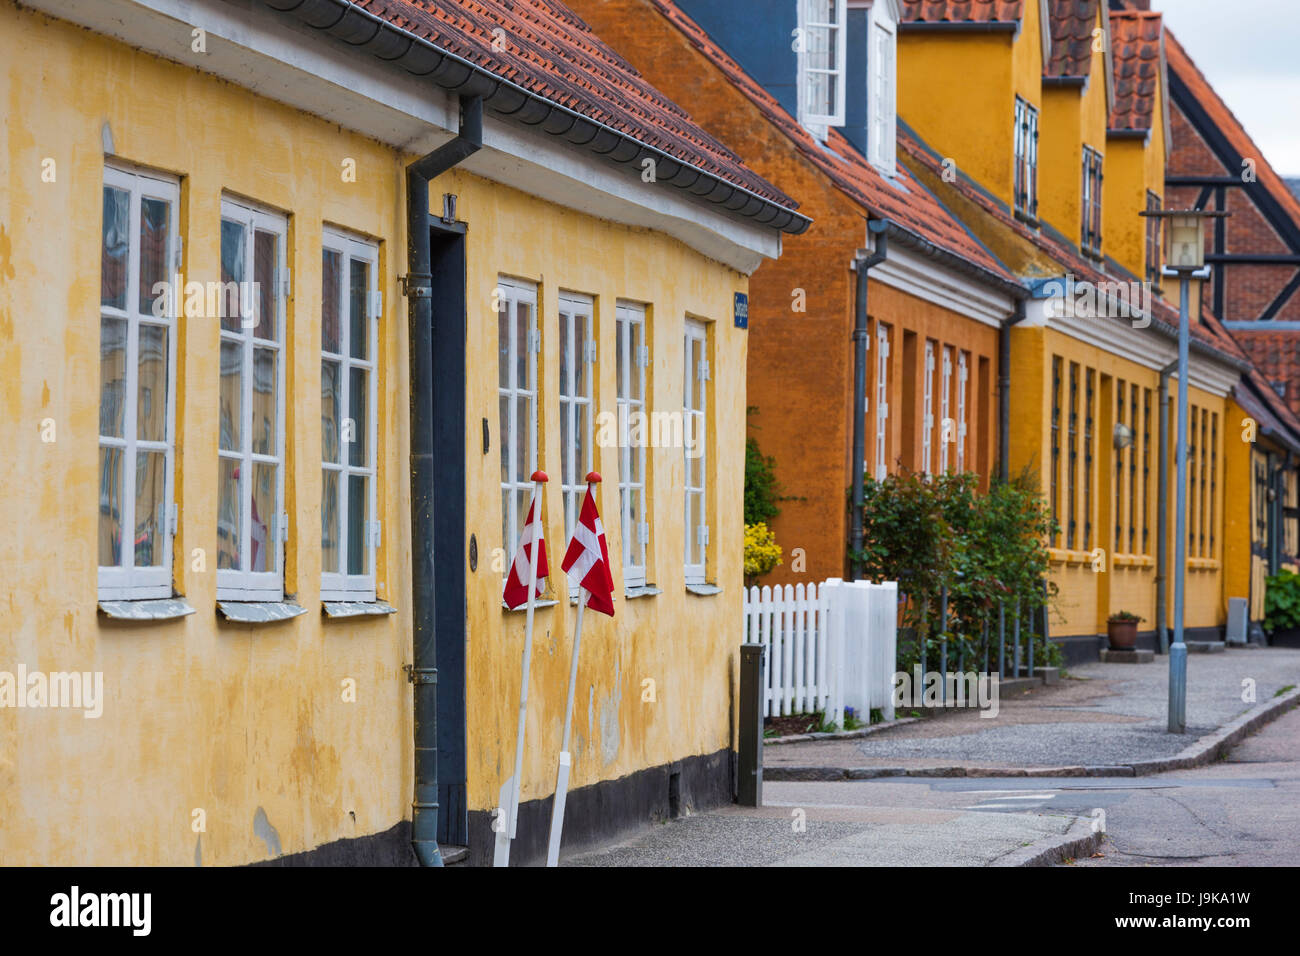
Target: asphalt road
1244,811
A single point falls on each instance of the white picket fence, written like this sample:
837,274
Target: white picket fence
829,646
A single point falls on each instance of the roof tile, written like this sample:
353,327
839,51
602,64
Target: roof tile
544,47
1136,48
962,11
1072,23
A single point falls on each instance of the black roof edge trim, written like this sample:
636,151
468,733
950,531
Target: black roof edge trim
958,26
458,75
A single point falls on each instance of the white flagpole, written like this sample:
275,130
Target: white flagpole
539,478
562,773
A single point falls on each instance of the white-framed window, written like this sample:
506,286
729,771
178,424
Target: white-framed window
695,439
349,394
883,98
140,254
252,525
882,400
927,411
633,408
963,374
519,344
1026,158
577,406
945,407
821,44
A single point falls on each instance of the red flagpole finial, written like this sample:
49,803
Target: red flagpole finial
539,476
593,477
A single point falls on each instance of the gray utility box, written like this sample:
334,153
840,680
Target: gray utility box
1238,621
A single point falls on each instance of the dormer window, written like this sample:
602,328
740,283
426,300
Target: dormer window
1091,237
820,43
1026,138
882,104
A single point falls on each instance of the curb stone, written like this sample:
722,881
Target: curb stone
1213,746
1080,840
840,734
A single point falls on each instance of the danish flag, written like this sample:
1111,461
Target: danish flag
587,558
516,592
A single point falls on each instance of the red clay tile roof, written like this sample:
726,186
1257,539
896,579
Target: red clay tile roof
544,47
908,204
1276,355
962,11
1186,70
1072,23
1137,53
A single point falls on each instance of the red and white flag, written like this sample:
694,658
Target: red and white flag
587,558
516,592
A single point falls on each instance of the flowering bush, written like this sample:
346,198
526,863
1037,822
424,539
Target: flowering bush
762,553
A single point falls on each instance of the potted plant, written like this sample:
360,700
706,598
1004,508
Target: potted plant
1122,629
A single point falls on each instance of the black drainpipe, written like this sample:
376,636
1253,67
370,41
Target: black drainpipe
1162,507
423,671
1004,389
862,266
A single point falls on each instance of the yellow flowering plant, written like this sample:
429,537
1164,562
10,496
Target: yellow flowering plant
762,553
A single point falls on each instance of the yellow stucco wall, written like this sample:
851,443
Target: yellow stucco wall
684,643
247,722
1133,167
1072,118
1238,503
1086,597
970,121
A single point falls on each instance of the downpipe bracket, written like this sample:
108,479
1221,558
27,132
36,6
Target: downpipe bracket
416,285
421,675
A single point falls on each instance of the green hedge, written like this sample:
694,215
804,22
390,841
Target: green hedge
932,532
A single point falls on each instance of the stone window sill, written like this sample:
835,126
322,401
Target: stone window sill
356,608
158,609
703,590
259,612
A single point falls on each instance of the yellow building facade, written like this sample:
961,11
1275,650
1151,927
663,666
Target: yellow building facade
244,588
1070,102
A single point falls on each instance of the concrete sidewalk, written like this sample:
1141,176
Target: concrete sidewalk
836,824
1100,716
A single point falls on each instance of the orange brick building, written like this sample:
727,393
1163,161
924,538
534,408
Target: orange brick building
934,305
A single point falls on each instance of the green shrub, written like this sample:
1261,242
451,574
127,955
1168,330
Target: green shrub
762,491
1282,601
936,532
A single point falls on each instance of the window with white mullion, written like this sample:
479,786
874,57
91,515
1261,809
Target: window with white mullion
633,358
963,373
821,46
927,410
519,344
349,422
695,442
944,406
139,256
883,101
882,400
577,406
251,523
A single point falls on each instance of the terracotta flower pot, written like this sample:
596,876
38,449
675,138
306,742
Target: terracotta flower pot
1123,635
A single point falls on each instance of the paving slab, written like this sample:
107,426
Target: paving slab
1098,716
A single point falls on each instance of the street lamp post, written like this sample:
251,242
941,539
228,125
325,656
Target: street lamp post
1186,262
